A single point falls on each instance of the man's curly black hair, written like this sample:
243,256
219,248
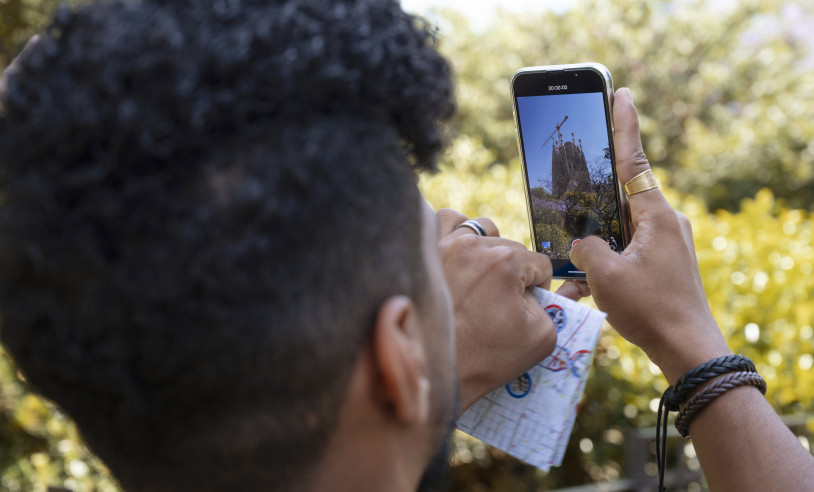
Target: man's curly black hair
203,205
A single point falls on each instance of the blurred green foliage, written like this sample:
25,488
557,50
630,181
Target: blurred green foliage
727,116
21,19
39,446
725,92
724,89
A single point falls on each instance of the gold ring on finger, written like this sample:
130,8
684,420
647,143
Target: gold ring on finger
641,182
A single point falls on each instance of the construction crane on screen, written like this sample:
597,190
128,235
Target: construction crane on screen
555,132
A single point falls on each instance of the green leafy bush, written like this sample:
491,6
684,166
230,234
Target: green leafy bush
726,116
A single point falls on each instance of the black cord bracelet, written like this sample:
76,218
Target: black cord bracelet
674,395
714,390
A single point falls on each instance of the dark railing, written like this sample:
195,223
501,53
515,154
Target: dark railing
683,472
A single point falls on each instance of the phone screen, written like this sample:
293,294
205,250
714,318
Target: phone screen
567,145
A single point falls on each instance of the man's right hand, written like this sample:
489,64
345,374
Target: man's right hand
653,295
652,292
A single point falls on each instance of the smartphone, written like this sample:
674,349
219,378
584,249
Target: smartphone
562,114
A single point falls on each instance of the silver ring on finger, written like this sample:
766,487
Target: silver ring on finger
479,230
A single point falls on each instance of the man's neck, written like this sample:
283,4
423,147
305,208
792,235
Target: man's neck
352,470
369,450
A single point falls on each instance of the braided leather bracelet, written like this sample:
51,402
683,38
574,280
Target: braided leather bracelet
675,395
715,389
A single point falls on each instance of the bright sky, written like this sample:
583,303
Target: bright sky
480,11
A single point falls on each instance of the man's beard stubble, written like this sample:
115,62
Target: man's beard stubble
436,477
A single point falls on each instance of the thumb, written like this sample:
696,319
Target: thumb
592,254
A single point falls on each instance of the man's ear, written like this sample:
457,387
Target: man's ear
400,358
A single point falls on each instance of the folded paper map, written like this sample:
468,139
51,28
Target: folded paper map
531,418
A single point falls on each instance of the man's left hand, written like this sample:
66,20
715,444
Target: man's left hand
501,329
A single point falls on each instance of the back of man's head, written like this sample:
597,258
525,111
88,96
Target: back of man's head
203,205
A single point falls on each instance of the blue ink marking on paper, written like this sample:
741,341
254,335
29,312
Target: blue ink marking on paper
557,315
520,387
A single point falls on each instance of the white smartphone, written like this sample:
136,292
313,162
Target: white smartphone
562,115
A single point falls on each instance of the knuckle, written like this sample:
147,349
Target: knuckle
452,214
543,332
606,276
545,263
458,248
501,255
684,221
466,241
682,224
636,161
614,271
685,224
490,226
639,158
517,246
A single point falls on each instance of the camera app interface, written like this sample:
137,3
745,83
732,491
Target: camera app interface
568,165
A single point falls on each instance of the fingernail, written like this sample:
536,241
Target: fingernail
573,243
627,89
